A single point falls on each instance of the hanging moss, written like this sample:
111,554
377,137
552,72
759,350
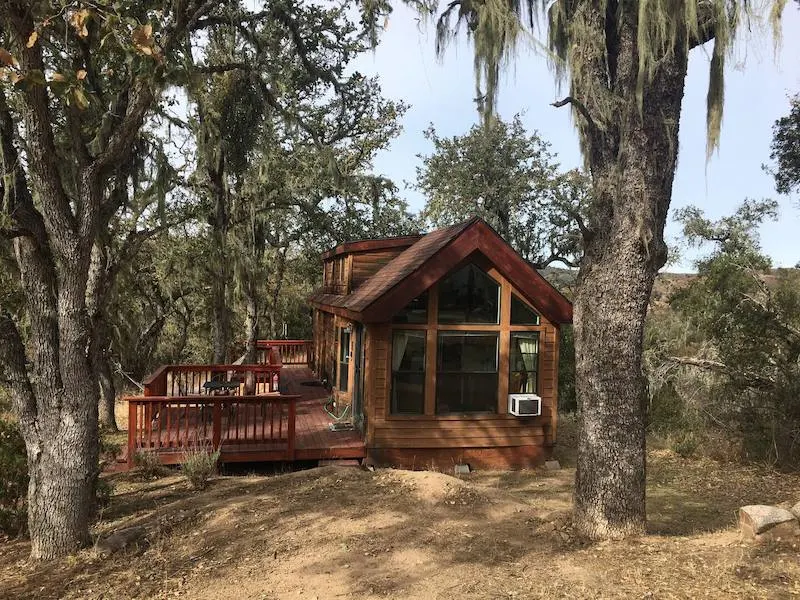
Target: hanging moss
580,34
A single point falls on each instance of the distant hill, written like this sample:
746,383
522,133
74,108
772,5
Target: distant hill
565,280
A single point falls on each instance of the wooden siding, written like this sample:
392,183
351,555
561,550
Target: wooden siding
367,264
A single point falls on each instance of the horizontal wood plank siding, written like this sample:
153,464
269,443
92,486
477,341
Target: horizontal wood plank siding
367,264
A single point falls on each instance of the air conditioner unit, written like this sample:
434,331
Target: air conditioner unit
524,405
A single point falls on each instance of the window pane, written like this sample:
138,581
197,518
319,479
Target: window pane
466,392
344,376
521,313
344,346
344,359
408,372
466,378
469,296
524,363
474,352
415,312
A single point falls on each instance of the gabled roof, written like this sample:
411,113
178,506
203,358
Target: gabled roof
371,245
432,257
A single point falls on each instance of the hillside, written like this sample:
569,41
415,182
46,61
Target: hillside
355,534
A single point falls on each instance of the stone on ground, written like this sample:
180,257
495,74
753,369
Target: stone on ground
762,523
795,510
552,465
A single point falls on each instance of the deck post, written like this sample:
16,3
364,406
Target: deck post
216,432
290,428
131,432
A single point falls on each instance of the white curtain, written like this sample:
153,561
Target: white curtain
399,343
529,349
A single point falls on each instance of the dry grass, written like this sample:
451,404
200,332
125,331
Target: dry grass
348,533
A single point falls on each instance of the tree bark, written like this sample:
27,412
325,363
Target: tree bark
632,160
97,292
220,272
250,321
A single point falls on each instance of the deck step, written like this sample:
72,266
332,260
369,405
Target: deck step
339,462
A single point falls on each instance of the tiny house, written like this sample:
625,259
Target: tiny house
442,347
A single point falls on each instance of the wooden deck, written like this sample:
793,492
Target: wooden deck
313,438
290,426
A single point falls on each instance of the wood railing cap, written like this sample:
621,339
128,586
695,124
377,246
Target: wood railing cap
207,399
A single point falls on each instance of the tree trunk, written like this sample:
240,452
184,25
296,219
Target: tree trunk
108,394
251,321
632,163
272,310
219,268
97,291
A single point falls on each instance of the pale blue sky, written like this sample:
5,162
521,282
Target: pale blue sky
758,82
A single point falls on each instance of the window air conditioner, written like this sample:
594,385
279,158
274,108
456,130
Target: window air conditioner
524,405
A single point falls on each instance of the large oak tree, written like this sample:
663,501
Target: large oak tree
626,64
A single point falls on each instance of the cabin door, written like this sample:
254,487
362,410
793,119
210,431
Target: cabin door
358,383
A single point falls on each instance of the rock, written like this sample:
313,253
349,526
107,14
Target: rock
461,469
763,523
552,465
119,540
795,510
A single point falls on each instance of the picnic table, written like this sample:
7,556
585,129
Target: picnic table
219,387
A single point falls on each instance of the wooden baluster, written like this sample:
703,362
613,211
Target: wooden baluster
290,429
166,417
160,413
186,423
216,435
271,420
237,410
132,409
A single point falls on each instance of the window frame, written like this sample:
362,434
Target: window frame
394,372
464,374
343,358
503,329
498,300
537,354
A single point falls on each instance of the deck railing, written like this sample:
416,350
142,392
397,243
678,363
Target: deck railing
236,425
237,380
290,352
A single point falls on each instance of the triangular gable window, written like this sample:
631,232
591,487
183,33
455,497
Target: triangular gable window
415,312
521,313
469,296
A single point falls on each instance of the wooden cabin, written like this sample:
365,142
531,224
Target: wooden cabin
431,342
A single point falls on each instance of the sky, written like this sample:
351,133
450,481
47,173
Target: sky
758,83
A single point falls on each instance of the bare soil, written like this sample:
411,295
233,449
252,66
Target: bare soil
337,532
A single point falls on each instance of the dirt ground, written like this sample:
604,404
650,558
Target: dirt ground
336,532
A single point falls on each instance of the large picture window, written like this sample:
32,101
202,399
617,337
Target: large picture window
344,359
469,296
408,372
524,363
466,372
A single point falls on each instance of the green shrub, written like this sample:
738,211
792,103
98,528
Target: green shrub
13,479
685,444
109,451
148,464
199,465
103,491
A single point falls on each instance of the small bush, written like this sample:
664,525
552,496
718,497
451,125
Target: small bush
685,444
13,479
102,492
148,464
109,451
199,465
